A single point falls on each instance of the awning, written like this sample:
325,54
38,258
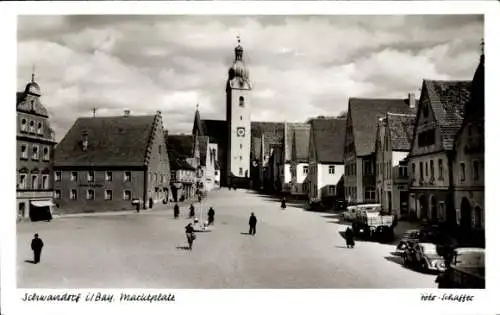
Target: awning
42,203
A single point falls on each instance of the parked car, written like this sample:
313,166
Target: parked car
384,234
466,270
410,236
424,256
424,234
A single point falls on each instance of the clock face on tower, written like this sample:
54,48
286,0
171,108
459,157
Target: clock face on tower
240,132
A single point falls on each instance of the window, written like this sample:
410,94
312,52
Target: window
241,171
462,172
331,169
24,151
127,177
432,169
426,169
367,165
90,176
34,151
45,181
32,126
305,169
413,170
242,101
24,126
46,155
370,193
402,171
108,195
90,194
57,176
475,170
57,194
34,181
440,168
72,194
216,173
22,181
109,176
241,117
331,189
39,128
241,146
74,176
241,158
127,195
421,170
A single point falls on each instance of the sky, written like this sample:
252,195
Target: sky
300,66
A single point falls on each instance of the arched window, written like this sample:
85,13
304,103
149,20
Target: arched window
242,101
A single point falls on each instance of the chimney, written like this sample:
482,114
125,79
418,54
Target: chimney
85,140
411,100
126,113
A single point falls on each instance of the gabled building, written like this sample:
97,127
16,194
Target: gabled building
181,153
112,163
326,158
392,146
34,164
299,161
359,151
468,165
439,117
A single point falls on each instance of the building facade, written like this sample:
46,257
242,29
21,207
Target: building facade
359,151
326,157
392,147
468,166
184,159
439,116
34,164
299,161
98,168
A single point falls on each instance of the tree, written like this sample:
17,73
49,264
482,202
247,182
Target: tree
342,114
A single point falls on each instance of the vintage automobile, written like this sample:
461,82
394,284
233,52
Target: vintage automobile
424,234
410,236
424,256
369,221
466,270
350,213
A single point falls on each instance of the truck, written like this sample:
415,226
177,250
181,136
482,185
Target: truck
465,271
370,221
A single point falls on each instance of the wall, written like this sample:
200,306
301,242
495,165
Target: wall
158,165
117,185
326,179
424,124
440,182
298,187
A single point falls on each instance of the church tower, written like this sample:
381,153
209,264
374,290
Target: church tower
238,105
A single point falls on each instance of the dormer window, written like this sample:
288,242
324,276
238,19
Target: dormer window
242,101
32,126
39,128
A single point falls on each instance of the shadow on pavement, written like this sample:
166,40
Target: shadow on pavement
338,246
28,261
183,247
203,231
245,233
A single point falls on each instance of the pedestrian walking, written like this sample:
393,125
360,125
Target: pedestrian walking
253,224
211,216
176,211
283,203
191,211
190,235
349,238
36,246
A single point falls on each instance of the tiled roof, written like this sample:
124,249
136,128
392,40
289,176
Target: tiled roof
181,144
273,134
177,162
448,99
300,147
216,130
112,141
365,114
328,135
290,129
401,130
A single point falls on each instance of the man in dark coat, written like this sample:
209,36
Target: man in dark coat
176,211
36,246
253,224
349,238
211,215
191,211
190,235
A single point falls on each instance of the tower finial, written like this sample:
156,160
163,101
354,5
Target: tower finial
33,73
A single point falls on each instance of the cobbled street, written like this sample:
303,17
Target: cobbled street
293,248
